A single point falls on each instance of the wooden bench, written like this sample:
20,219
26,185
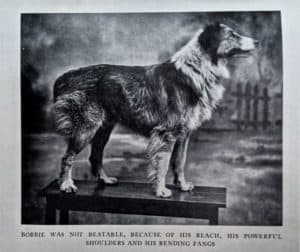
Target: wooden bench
133,198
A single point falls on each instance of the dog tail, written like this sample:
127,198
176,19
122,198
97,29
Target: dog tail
75,111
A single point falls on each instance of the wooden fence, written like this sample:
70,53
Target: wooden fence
252,107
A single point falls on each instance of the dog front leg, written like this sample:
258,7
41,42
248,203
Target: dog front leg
159,152
177,163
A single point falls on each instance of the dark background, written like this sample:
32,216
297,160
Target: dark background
248,161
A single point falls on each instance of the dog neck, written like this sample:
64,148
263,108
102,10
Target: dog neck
197,65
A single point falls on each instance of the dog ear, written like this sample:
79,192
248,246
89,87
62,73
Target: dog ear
209,40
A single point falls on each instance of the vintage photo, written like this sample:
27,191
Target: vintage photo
152,118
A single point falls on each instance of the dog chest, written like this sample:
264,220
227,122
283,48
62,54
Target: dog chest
197,115
202,112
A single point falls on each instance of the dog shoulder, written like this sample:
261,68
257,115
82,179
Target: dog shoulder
177,85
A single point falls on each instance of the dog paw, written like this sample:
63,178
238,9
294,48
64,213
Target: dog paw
68,186
109,180
186,186
163,192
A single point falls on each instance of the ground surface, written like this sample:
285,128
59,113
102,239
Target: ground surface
249,165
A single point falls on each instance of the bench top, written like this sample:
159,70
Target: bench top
138,192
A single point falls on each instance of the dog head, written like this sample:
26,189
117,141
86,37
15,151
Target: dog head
220,41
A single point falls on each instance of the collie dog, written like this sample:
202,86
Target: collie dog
165,102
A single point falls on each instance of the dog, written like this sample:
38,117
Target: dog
165,102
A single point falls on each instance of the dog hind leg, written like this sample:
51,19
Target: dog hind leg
96,158
159,153
76,143
177,163
77,116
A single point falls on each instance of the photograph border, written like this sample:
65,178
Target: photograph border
10,228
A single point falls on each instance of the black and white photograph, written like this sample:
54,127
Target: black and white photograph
161,118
